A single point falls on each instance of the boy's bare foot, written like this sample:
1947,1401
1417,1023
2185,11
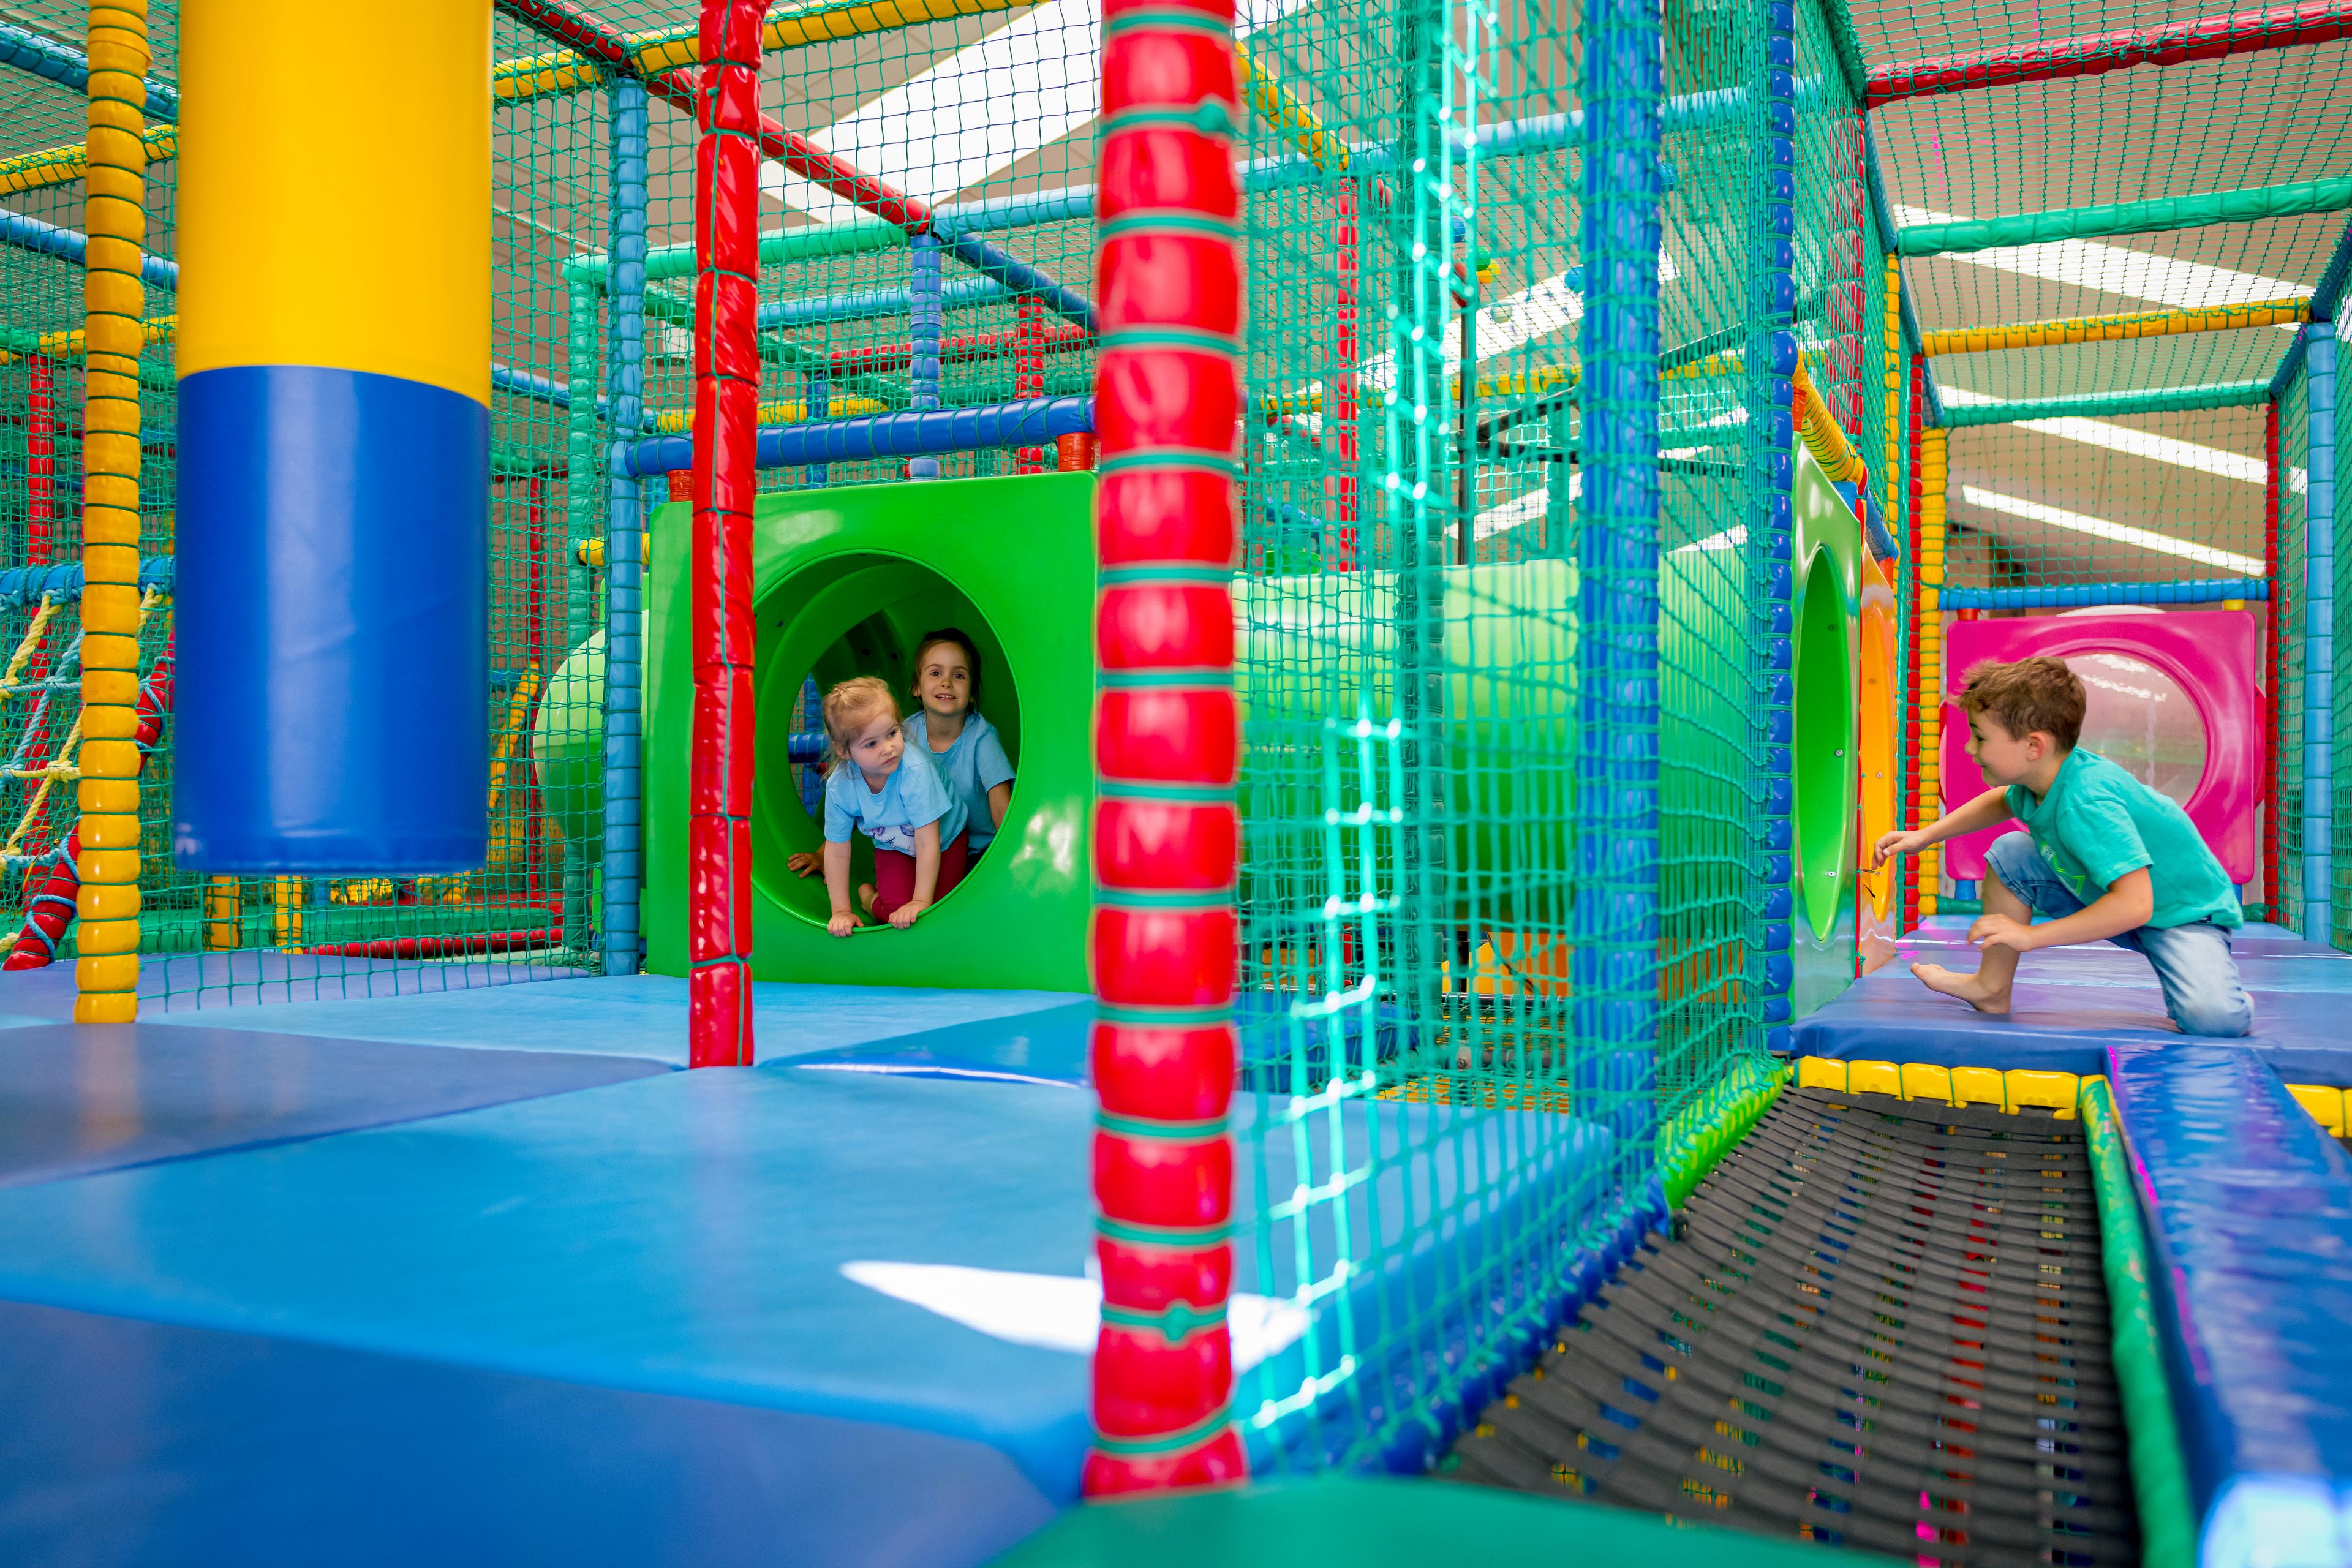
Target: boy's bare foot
865,897
1969,988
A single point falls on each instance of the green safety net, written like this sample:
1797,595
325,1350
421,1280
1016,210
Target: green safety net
298,938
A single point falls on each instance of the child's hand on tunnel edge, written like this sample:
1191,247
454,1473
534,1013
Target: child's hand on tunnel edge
842,923
904,915
806,863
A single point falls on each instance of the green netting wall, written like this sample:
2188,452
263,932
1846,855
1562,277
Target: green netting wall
247,939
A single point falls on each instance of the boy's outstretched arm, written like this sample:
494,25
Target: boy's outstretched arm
1989,809
2126,905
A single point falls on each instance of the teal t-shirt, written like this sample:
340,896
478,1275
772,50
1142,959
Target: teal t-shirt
2098,823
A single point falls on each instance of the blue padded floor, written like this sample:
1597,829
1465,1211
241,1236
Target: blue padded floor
773,1315
194,982
641,1015
2249,1212
80,1099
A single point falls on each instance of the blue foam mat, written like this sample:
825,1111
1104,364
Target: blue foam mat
682,1235
203,981
641,1015
78,1098
271,1453
2249,1211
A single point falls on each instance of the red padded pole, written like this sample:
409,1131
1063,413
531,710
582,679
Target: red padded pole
1167,746
726,442
1914,687
2271,619
2167,44
40,459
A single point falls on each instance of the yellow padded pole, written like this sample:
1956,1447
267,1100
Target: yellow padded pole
1930,654
106,974
1281,110
49,166
2114,328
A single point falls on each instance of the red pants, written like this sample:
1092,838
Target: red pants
894,876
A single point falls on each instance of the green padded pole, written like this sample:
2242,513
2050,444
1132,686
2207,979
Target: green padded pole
2159,1474
2130,217
2154,400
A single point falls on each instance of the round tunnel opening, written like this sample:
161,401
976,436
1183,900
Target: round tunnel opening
841,616
1821,761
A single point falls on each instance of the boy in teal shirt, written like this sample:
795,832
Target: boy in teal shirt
2103,856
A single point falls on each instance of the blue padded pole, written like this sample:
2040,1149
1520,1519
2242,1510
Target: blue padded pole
2081,595
1030,422
1616,911
625,537
70,68
1770,547
72,245
924,323
2319,633
820,406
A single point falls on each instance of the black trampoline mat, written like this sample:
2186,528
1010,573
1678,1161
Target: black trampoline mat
1881,1323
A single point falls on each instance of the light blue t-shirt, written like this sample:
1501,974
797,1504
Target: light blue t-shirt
912,796
2098,823
974,765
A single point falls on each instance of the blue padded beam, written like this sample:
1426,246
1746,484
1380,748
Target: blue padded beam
2249,1209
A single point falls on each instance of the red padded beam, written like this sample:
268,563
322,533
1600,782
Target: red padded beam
1166,844
726,450
2174,43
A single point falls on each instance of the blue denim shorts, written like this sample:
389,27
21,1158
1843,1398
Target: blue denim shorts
2192,963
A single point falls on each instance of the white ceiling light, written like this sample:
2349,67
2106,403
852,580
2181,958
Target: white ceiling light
2119,533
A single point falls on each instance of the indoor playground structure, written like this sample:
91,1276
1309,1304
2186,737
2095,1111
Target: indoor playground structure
1468,519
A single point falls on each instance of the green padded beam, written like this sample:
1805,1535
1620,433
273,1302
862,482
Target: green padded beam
2129,217
2152,400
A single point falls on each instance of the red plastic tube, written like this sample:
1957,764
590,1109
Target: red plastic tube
2272,616
726,450
2173,43
444,946
49,911
1166,844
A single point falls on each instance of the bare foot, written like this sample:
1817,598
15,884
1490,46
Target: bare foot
1969,988
865,897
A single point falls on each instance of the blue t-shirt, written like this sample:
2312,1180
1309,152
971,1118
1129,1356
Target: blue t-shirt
2097,823
912,796
974,765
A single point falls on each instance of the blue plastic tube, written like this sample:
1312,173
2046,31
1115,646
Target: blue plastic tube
925,326
2080,596
1032,421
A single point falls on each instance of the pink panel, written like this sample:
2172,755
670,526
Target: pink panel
2214,655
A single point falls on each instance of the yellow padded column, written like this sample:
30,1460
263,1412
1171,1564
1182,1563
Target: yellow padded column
106,975
1930,655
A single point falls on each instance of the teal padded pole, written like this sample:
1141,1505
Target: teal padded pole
624,538
2094,404
2167,212
1769,552
2319,633
580,492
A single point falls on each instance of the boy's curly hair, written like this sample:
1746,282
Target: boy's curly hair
853,704
2028,697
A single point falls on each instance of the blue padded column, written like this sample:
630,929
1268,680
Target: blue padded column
2319,636
624,550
